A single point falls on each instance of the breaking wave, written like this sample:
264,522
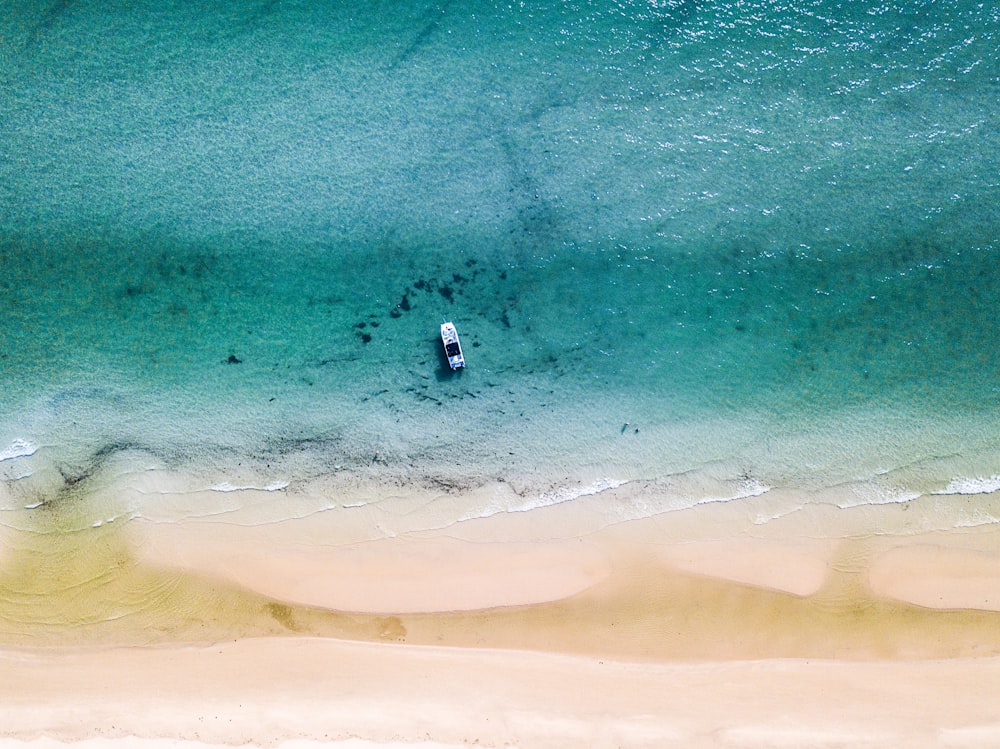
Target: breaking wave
18,449
976,485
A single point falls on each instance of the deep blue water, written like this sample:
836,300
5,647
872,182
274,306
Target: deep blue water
762,235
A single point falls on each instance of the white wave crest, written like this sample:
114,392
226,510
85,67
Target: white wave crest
569,493
18,449
546,499
977,522
747,488
225,486
977,485
877,493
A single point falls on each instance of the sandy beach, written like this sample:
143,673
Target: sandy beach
300,692
702,627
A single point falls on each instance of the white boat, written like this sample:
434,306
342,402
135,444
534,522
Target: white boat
452,347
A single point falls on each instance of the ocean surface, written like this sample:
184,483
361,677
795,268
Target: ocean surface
722,248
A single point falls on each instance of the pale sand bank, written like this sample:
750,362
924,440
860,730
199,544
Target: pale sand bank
938,576
399,575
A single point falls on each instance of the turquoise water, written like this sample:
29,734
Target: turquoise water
754,240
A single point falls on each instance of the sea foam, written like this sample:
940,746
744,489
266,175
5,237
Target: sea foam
876,493
547,499
969,485
747,488
569,493
18,449
225,486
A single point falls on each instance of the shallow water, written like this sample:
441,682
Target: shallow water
755,242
